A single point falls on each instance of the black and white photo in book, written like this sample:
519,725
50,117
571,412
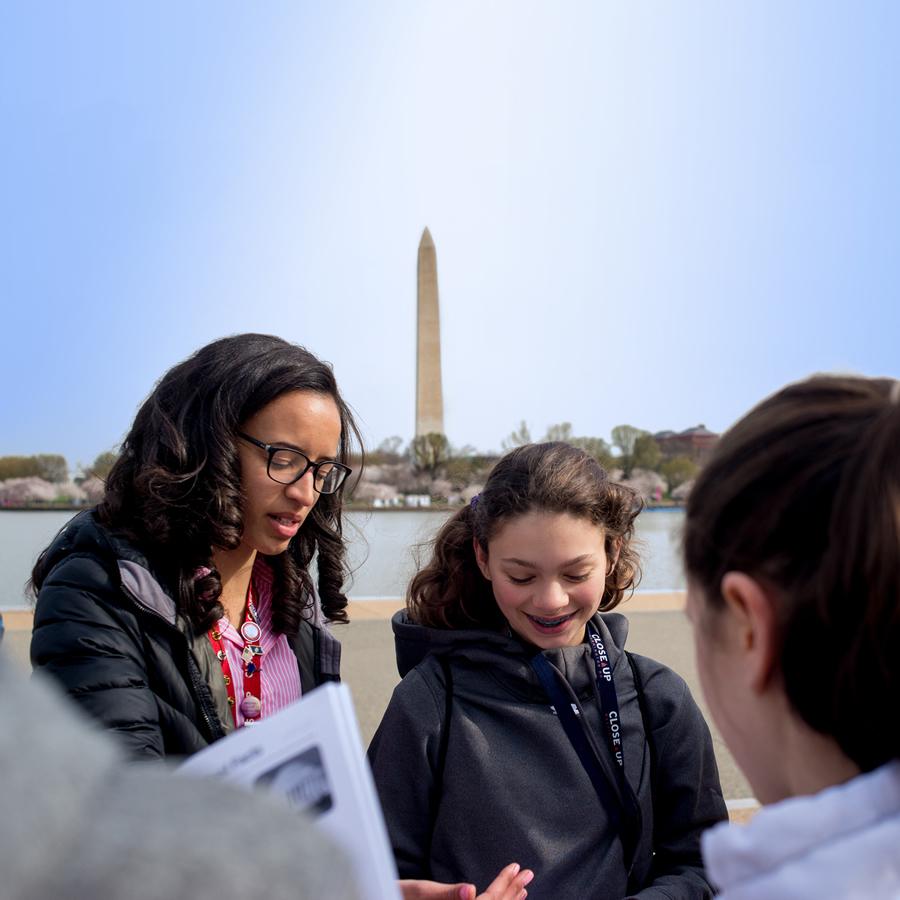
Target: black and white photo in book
303,780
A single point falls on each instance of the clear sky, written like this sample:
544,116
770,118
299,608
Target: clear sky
651,214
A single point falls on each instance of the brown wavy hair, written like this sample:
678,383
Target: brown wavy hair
803,494
175,490
451,592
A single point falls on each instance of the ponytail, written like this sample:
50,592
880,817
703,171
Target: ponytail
804,493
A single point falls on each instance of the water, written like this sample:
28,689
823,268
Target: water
382,549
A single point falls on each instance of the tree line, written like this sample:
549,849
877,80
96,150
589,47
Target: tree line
630,449
636,449
433,455
52,467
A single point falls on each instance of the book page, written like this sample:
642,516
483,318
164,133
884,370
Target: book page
311,753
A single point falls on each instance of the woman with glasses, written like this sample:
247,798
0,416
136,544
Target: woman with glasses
183,607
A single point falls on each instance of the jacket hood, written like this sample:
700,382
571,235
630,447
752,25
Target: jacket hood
83,535
507,655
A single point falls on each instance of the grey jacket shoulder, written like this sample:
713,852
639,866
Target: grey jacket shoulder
664,690
75,798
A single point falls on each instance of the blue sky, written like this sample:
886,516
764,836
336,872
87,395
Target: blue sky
644,213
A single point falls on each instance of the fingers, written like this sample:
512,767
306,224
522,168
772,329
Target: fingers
509,884
417,889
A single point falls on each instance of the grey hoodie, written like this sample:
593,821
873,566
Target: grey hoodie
513,788
77,821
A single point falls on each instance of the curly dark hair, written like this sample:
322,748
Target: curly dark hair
450,592
175,489
803,494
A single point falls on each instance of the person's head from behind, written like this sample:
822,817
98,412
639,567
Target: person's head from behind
792,552
242,447
545,544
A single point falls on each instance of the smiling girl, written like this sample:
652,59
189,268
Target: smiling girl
182,607
521,728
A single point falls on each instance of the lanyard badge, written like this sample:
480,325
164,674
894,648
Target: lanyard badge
251,657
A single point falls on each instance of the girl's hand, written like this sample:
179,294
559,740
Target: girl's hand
508,885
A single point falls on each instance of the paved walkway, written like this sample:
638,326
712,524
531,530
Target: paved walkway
658,629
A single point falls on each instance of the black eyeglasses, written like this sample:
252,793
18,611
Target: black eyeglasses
287,466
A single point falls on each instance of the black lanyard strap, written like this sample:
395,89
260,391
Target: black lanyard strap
621,806
566,712
609,701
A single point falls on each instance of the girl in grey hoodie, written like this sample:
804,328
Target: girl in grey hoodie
522,729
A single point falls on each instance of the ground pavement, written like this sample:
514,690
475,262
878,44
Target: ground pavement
658,628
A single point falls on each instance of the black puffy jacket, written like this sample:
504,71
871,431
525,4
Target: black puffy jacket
106,628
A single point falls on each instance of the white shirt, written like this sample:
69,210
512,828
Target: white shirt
843,842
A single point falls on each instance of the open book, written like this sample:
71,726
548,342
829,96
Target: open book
312,753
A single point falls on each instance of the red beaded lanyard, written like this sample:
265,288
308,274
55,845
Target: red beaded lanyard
251,702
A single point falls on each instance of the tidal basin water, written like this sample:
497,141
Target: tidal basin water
383,548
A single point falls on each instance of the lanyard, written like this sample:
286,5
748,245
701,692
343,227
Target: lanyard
620,806
609,701
251,656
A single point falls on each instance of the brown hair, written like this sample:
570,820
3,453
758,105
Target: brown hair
804,495
175,490
451,592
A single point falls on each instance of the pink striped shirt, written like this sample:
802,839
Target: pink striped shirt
279,674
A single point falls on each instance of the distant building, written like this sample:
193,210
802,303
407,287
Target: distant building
378,503
376,494
695,443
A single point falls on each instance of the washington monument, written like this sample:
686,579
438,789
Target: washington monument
429,396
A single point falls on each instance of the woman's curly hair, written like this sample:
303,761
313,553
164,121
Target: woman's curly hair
451,592
175,490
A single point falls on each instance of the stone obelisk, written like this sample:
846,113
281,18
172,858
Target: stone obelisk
429,396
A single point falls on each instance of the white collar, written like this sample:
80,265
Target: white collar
791,828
